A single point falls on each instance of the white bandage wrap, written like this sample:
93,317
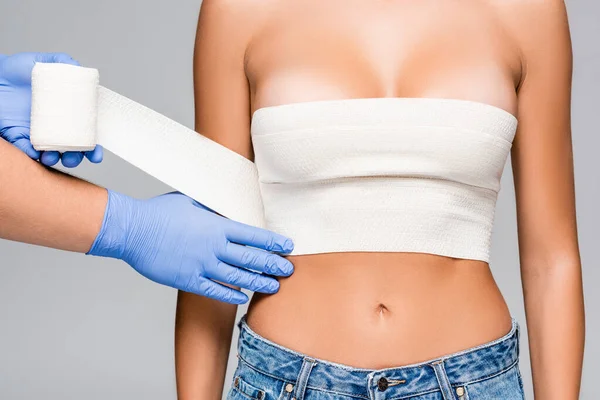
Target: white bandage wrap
70,111
353,175
383,174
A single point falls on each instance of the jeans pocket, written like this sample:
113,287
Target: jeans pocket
246,389
250,383
504,385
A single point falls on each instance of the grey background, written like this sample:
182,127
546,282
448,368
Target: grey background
77,327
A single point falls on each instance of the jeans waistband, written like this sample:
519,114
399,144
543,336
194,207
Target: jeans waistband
460,368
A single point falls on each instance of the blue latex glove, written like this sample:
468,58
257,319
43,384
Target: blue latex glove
15,107
175,241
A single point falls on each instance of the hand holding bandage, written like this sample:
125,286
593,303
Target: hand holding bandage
170,239
15,105
175,241
71,111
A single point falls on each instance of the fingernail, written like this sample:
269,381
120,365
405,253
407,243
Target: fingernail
288,246
273,287
241,299
287,268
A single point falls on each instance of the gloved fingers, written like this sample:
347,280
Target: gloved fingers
62,58
202,206
256,237
15,133
19,136
256,259
95,156
49,158
71,159
208,288
25,146
196,203
240,277
17,67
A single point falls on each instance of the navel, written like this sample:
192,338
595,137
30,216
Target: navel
382,310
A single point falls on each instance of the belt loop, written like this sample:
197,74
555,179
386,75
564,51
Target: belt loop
442,377
307,366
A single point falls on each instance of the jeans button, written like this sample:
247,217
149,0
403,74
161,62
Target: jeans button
382,384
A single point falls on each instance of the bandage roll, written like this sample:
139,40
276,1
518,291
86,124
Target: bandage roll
70,111
64,107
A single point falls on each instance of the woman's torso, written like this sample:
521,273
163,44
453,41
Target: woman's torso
376,310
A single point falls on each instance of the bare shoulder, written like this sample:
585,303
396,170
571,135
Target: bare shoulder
227,8
539,28
532,15
539,20
535,24
237,17
221,91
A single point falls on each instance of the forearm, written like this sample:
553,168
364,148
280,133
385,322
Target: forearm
46,207
556,328
203,334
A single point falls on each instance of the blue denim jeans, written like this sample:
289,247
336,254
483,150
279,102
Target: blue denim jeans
268,371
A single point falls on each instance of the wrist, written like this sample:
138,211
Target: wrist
112,237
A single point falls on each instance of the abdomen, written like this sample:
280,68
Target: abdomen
378,310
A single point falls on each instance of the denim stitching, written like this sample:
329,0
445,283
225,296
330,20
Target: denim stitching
346,368
292,382
514,329
319,389
442,378
413,395
485,378
244,394
264,372
455,385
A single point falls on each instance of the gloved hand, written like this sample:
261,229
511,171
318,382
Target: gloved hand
15,107
175,241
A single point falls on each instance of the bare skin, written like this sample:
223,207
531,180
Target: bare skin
42,206
376,310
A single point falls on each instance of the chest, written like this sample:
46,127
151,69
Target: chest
314,50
